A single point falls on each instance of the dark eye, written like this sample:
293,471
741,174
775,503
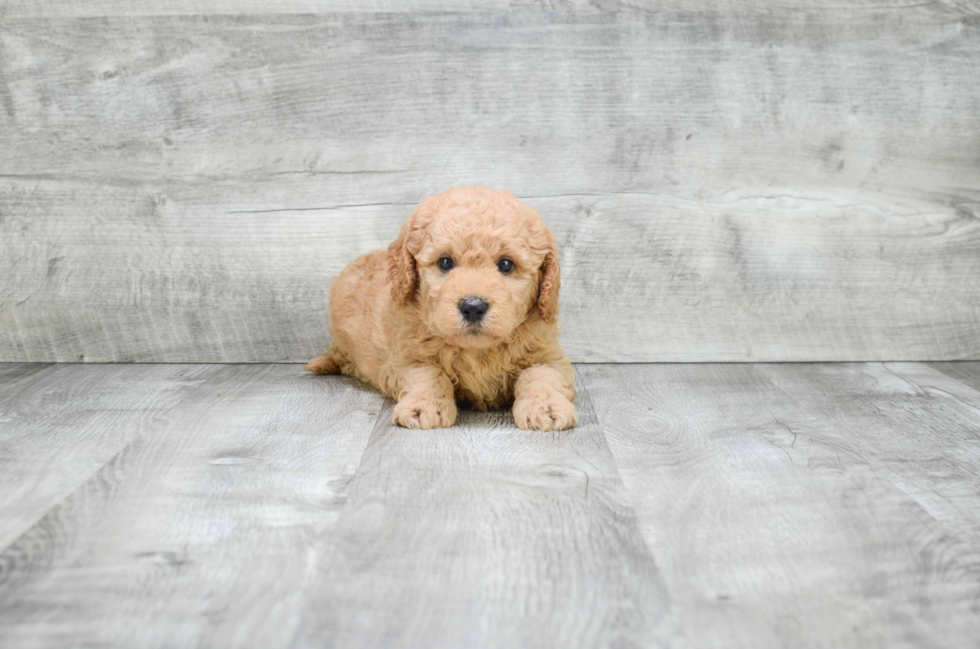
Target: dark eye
446,263
505,265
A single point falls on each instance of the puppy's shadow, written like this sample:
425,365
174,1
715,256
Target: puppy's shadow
471,417
468,416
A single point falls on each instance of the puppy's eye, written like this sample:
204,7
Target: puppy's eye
505,265
446,263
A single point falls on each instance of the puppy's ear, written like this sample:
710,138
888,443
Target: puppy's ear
550,283
400,265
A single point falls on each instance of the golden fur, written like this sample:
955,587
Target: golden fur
395,320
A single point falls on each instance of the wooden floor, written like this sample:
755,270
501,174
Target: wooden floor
731,505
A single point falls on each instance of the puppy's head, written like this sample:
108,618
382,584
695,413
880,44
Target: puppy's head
478,262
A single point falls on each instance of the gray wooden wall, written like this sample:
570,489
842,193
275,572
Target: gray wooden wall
728,181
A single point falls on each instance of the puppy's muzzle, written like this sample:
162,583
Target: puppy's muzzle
473,309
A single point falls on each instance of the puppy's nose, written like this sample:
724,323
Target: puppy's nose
473,309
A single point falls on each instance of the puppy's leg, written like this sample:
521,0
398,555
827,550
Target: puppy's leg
323,364
543,397
426,399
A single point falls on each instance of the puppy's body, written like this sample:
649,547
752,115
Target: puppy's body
397,321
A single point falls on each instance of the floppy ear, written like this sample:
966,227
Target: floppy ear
400,265
550,283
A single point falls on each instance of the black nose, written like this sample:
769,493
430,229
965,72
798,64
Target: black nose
473,309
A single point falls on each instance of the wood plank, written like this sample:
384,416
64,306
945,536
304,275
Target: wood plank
105,8
733,277
726,187
921,426
487,536
968,373
101,8
61,424
12,374
200,532
381,108
774,523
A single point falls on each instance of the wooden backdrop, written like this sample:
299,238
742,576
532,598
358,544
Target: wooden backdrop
765,181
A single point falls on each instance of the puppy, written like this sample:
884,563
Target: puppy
461,307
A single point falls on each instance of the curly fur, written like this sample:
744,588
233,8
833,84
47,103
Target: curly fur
395,321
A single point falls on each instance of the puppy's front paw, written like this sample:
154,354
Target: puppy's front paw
545,413
431,412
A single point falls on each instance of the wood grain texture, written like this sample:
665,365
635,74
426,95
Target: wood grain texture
61,424
724,186
180,276
919,425
13,374
100,8
968,373
380,108
696,506
199,533
784,517
487,536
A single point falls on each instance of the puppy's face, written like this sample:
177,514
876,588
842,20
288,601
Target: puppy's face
477,278
483,264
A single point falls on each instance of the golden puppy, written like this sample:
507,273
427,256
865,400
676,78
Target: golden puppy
468,314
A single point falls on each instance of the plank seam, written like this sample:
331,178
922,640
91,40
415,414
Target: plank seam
151,426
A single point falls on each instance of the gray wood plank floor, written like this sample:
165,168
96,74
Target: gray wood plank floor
59,424
801,505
